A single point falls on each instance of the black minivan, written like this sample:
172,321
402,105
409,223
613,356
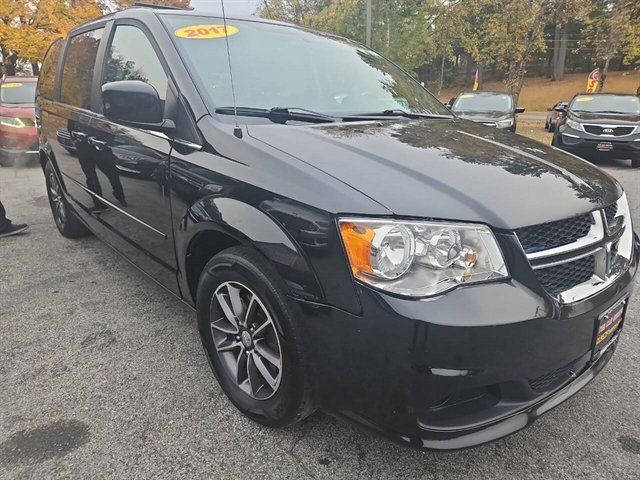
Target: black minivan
347,242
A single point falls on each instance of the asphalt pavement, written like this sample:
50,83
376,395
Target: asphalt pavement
102,376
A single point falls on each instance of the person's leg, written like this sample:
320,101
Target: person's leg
4,221
6,227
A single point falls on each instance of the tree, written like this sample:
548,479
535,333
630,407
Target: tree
28,27
613,30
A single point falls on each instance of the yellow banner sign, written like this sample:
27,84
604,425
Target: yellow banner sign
593,82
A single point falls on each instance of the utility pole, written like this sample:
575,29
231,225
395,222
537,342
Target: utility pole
368,39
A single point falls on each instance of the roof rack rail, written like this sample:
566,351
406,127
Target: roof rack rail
160,7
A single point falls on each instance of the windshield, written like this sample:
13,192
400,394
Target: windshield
606,104
281,66
17,92
483,102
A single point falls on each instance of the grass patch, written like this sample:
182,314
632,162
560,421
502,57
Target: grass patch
534,129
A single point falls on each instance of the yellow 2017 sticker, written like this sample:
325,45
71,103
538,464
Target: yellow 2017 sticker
11,85
584,99
199,32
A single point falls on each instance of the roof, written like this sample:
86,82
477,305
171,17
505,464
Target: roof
607,93
15,78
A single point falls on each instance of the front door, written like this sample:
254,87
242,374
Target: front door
132,165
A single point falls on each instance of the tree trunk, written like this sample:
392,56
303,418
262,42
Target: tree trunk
562,56
441,75
10,61
603,76
515,78
36,68
480,75
556,49
467,70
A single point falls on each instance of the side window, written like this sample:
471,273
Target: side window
77,72
47,79
131,57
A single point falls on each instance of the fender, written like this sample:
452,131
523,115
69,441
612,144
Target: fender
249,226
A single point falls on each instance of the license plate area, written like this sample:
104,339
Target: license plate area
608,327
604,147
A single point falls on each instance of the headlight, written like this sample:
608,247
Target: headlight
420,259
12,122
575,125
504,123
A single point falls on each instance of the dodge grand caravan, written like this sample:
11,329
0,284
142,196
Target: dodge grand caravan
347,243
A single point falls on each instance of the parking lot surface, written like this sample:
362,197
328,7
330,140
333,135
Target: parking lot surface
102,375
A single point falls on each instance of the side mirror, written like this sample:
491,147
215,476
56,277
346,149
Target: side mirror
134,103
448,105
519,110
560,109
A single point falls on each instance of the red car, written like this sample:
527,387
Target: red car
18,132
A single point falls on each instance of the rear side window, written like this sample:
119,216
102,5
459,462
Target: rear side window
77,72
47,80
132,57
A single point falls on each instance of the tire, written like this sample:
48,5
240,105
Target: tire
284,399
635,163
64,217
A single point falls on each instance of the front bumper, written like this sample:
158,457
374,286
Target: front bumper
586,144
458,370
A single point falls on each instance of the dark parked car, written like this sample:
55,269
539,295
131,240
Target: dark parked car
601,125
346,242
555,113
495,109
18,134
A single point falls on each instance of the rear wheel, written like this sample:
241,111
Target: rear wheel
65,218
635,163
250,337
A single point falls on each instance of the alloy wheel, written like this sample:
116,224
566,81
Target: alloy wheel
57,202
246,340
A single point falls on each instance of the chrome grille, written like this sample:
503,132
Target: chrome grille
550,235
592,261
563,277
610,212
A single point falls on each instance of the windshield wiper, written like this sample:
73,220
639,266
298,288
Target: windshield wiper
397,112
279,114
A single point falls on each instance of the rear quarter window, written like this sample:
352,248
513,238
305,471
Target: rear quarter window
47,79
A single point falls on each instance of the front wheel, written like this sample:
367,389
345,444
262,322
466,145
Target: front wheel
65,218
250,337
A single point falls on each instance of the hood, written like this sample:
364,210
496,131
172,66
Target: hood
19,110
449,170
607,118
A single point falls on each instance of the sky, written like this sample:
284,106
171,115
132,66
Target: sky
232,7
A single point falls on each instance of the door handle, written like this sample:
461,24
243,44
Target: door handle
98,144
79,136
